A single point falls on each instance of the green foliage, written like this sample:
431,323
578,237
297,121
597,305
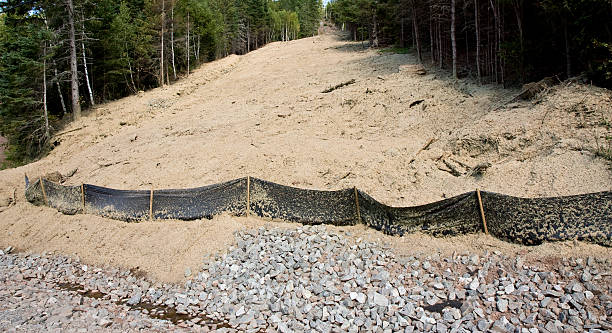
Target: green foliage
396,50
600,68
21,40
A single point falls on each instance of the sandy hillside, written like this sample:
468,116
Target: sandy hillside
264,115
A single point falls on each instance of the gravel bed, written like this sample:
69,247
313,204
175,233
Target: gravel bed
310,279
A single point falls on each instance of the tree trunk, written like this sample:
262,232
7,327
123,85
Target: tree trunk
416,32
46,112
161,59
402,41
477,42
518,11
496,46
76,106
172,39
134,89
187,42
502,61
374,37
453,39
59,88
568,56
431,38
467,41
91,99
440,55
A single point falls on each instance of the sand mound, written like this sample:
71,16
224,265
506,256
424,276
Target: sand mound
264,115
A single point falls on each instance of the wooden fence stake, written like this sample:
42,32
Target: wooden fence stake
482,215
248,202
151,206
83,197
357,205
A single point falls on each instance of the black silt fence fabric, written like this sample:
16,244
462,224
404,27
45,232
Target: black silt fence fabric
452,216
586,217
34,193
117,204
66,199
201,202
275,201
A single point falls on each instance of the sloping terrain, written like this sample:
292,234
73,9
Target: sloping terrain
265,115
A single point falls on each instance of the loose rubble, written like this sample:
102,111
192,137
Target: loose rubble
311,279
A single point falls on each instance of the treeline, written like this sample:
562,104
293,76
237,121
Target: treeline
59,56
504,41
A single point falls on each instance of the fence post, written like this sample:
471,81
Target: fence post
482,215
83,197
248,200
151,206
357,205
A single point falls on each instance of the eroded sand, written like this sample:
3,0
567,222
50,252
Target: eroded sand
263,115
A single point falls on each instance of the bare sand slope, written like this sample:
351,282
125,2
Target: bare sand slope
264,115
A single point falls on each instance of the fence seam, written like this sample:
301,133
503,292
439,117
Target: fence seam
42,186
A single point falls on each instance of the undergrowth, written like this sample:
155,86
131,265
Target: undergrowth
396,50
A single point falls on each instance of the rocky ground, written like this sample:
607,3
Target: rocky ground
311,279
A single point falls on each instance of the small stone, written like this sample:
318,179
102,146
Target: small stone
474,284
509,289
502,305
135,299
448,317
187,272
380,300
283,328
483,325
240,312
586,276
105,323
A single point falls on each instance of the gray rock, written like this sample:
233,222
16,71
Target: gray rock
474,284
105,323
135,299
379,300
502,305
483,325
586,276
